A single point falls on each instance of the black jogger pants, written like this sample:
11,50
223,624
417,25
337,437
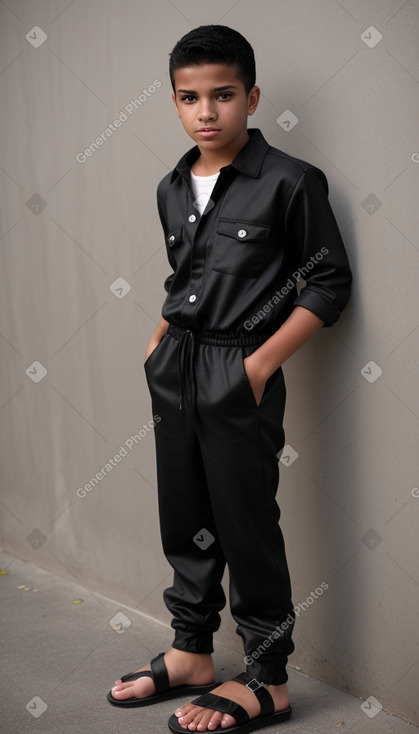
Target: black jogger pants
217,472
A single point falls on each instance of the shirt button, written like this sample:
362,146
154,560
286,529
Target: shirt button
192,298
192,218
242,233
172,239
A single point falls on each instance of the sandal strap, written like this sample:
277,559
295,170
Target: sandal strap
267,706
135,676
219,703
159,673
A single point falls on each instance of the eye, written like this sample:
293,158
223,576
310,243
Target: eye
188,98
224,96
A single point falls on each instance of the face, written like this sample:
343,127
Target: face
213,106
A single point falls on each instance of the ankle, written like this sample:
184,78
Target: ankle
193,657
190,667
279,694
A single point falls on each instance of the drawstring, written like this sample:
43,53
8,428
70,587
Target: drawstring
186,351
185,368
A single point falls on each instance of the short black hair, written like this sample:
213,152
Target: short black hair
215,44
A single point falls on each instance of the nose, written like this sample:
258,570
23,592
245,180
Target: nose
206,111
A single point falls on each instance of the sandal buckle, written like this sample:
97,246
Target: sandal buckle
254,685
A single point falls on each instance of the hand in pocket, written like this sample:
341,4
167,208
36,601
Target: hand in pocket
256,381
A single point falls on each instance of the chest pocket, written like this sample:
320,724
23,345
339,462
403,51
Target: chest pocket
240,248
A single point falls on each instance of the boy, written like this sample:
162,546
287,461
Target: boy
242,222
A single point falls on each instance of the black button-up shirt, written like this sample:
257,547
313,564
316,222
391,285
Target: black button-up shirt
267,242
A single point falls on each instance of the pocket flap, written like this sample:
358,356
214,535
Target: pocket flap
243,231
174,236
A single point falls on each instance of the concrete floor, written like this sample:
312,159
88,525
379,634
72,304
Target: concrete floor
59,658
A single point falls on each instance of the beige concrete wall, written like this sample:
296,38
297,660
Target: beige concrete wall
70,230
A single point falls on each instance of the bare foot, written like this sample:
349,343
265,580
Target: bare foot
182,667
197,718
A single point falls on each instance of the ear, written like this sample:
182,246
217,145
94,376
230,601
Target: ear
175,103
253,100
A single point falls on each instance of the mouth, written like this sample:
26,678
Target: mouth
208,132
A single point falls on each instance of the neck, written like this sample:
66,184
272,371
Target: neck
210,161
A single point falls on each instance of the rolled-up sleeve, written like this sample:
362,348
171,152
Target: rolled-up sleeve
317,248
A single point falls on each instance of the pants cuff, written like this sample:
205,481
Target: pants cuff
191,642
271,672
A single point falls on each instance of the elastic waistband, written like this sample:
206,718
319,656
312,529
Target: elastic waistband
218,338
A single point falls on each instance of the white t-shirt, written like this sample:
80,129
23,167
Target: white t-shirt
202,187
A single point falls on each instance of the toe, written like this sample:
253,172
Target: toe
202,719
121,691
190,716
183,710
214,720
227,720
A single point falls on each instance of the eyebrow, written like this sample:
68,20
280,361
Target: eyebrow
216,89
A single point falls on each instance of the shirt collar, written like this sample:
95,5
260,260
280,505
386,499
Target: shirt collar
248,160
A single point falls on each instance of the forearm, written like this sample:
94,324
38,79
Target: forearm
294,332
156,336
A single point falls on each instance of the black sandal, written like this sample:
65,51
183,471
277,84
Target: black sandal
244,724
163,690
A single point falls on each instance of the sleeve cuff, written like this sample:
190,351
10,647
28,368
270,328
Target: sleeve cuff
319,305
